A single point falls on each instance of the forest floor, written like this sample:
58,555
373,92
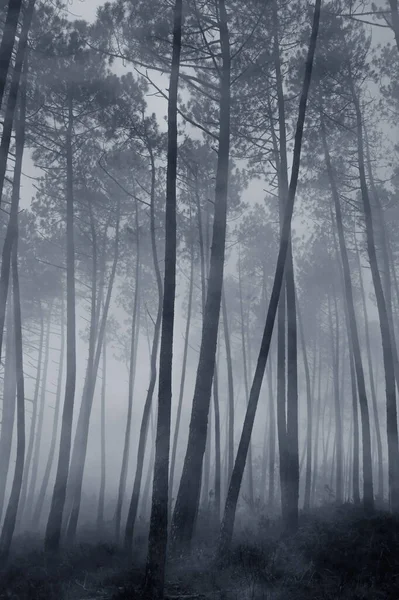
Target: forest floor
336,554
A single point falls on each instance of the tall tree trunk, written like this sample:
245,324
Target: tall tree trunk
250,484
392,424
335,353
158,535
101,496
50,458
236,479
372,383
230,389
272,441
132,512
308,478
217,447
317,433
186,507
54,523
132,372
8,412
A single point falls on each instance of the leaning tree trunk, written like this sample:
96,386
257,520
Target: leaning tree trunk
389,370
54,523
236,478
186,507
368,496
158,535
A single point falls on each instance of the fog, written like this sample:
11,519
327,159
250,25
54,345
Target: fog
199,298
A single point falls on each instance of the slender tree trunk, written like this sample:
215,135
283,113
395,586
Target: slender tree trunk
30,499
101,496
132,372
230,390
132,512
32,430
236,479
50,458
308,479
217,448
272,441
317,432
372,383
392,424
8,412
250,483
158,535
54,524
335,353
186,507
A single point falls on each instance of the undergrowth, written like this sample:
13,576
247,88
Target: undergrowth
337,553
